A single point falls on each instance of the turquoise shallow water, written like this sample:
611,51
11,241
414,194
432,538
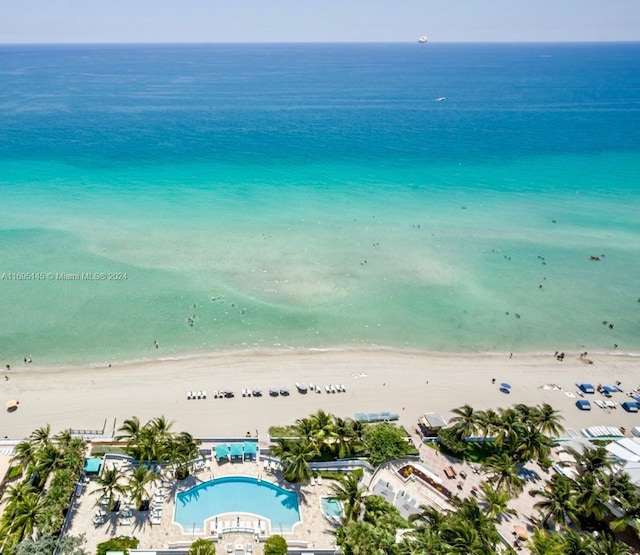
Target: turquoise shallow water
327,206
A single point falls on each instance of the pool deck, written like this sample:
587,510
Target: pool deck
314,528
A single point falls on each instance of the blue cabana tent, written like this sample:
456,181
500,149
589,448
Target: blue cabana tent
629,406
586,387
250,449
222,452
237,450
583,404
92,466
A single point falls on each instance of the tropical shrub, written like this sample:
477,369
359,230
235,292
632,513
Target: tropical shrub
275,545
121,543
385,442
202,547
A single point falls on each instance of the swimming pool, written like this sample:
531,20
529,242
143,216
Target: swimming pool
237,494
331,507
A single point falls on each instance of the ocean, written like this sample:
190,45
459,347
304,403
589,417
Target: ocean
159,200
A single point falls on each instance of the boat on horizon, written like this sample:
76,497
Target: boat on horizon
423,39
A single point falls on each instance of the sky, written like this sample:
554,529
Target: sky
132,21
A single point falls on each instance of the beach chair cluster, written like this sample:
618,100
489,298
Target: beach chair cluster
276,390
226,393
100,517
316,480
252,392
339,388
376,416
271,466
155,510
193,395
125,517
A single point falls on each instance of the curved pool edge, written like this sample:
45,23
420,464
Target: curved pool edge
206,523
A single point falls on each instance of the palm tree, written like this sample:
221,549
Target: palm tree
63,439
110,485
589,496
24,454
14,496
23,522
138,482
180,452
590,460
578,543
503,470
547,420
557,501
342,437
546,543
305,428
50,458
40,437
488,422
323,434
466,421
295,460
531,444
608,545
509,428
496,503
130,430
348,490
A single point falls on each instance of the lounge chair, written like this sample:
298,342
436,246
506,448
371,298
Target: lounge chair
313,481
318,389
189,395
229,548
199,395
204,394
239,548
332,388
319,480
343,388
327,388
249,548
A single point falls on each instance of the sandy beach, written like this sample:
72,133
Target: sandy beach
406,382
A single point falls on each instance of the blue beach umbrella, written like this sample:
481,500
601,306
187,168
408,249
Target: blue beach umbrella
505,390
505,385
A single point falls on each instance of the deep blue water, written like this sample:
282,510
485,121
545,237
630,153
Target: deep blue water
104,105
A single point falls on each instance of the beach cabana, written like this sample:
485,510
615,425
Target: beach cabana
583,404
92,466
237,451
250,449
629,406
222,452
586,387
608,389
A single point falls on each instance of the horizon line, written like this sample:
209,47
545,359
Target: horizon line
430,43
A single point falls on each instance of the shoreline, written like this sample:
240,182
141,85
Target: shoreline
409,383
257,352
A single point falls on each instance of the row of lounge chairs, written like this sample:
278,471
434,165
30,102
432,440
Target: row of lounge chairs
271,466
376,416
316,480
255,392
196,395
155,511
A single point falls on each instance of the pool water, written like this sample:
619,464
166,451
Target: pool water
237,494
331,507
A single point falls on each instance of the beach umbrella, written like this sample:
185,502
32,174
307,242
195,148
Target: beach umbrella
520,532
505,390
505,385
12,405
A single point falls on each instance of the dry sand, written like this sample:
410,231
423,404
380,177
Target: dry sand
406,382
